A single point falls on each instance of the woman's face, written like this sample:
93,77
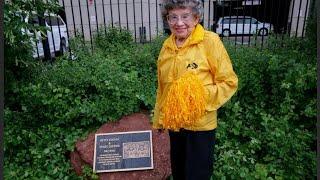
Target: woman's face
182,22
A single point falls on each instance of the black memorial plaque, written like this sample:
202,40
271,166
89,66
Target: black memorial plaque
123,151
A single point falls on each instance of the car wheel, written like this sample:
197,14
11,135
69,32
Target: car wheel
226,32
263,32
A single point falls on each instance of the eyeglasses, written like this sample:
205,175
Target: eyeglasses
172,19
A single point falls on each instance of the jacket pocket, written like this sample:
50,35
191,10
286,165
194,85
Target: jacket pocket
209,88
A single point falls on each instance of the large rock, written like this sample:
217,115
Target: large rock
84,150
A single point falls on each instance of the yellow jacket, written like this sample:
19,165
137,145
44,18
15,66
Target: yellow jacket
204,54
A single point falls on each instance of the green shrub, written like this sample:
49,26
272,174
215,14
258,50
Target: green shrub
112,40
267,129
66,101
37,152
19,63
145,63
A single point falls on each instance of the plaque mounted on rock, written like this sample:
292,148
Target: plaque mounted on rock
123,151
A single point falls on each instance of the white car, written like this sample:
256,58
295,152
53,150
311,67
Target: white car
234,25
56,33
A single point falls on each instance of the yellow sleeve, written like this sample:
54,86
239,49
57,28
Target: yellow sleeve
225,79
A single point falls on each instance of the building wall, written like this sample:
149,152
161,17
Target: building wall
208,13
297,17
97,14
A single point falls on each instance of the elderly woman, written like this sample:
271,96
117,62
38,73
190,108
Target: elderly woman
195,78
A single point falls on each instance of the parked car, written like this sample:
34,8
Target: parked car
56,33
234,25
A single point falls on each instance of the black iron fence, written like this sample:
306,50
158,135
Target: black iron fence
242,21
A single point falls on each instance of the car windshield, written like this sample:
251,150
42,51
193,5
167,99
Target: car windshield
54,21
33,20
250,20
225,21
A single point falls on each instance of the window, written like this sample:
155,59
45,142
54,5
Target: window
235,21
35,20
142,33
54,21
239,21
250,20
225,21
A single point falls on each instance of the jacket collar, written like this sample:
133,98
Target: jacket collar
195,37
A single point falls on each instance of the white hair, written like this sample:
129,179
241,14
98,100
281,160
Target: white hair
195,5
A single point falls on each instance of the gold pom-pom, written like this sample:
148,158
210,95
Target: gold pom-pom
185,103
